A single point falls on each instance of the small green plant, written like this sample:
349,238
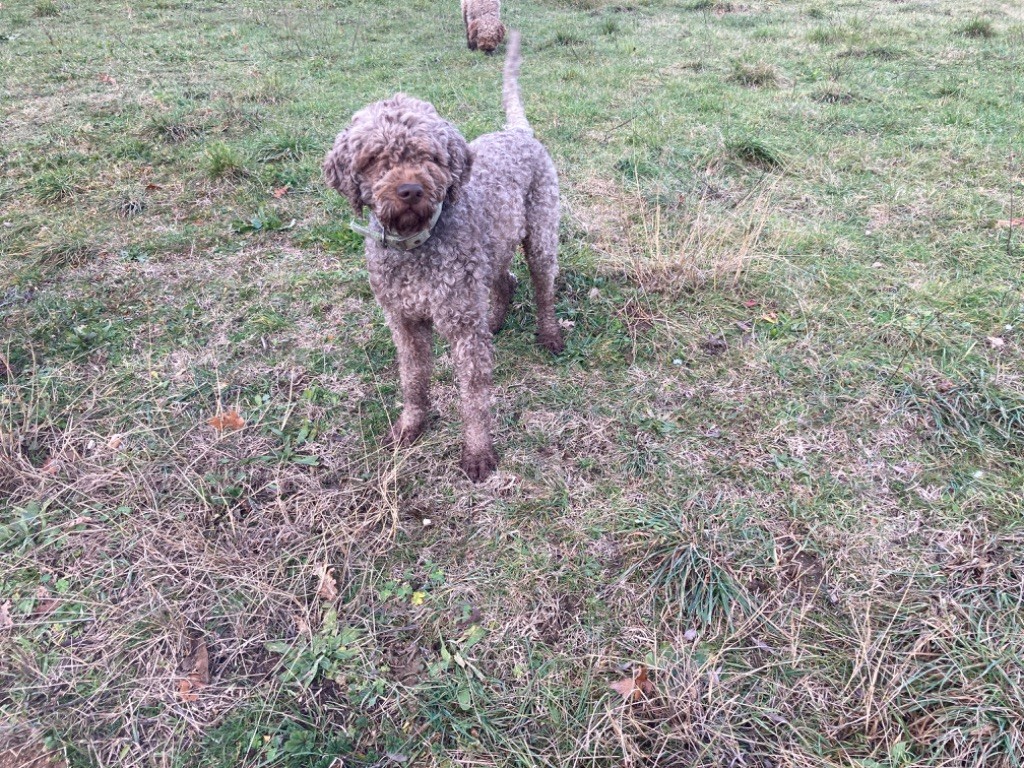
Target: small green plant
609,26
224,162
261,221
85,337
332,653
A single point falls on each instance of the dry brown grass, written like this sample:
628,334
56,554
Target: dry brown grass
673,252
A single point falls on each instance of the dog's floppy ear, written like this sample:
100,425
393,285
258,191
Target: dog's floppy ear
339,173
460,163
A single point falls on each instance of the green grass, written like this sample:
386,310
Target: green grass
778,465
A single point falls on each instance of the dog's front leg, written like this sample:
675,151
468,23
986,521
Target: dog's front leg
415,360
473,358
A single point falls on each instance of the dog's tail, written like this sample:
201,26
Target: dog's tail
515,117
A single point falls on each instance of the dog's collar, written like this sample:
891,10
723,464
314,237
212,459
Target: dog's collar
392,240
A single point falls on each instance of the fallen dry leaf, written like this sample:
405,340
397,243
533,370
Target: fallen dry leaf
197,671
45,604
770,317
636,687
328,589
281,192
226,420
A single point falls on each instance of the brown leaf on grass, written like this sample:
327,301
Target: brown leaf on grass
1007,223
301,625
45,604
281,192
196,667
226,420
714,344
328,588
636,687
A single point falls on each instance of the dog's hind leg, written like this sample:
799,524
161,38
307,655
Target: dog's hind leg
541,249
502,291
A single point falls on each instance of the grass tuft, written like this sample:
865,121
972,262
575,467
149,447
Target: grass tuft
46,9
175,128
759,74
832,93
65,254
129,205
568,38
755,152
223,161
55,186
674,255
272,89
977,28
286,147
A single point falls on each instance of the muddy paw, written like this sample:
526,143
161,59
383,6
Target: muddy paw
402,437
552,342
479,465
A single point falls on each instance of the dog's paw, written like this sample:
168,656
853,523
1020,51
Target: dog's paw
402,437
479,465
552,342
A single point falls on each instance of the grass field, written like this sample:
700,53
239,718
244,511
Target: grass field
778,470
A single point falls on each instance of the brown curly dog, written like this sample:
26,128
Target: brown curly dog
446,219
484,29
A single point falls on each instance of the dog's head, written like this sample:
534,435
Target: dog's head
400,159
487,33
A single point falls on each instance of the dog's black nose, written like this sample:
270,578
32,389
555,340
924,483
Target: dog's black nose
410,192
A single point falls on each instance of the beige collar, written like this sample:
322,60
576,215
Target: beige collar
393,240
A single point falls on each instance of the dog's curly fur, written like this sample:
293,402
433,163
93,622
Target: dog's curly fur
484,29
498,192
